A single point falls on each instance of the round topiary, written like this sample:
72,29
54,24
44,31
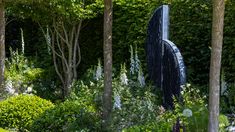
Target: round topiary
19,112
68,116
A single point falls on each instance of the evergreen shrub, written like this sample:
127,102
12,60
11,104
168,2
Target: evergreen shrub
67,116
19,112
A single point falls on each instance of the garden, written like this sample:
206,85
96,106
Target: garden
54,75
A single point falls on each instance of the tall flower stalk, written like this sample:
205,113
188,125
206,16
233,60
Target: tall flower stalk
99,70
137,61
132,65
48,40
123,76
22,40
141,78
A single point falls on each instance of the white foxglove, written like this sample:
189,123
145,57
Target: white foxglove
98,73
141,78
137,61
117,102
9,87
123,76
132,69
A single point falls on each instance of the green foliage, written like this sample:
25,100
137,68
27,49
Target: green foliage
130,26
67,116
133,103
196,103
190,29
19,112
149,127
223,123
20,73
194,120
3,130
227,101
69,11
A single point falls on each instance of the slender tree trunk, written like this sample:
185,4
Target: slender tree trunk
107,96
2,45
215,65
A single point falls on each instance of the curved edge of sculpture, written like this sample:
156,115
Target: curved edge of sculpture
179,59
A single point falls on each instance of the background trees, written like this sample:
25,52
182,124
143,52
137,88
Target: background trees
60,23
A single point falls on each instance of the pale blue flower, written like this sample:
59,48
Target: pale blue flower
187,112
117,102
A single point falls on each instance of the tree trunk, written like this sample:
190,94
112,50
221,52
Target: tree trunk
215,65
2,45
107,47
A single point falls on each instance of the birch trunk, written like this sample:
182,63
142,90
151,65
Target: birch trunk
107,47
215,64
2,45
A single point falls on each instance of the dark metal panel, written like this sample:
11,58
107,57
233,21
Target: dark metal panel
165,63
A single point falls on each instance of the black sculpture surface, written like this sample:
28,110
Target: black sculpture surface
165,63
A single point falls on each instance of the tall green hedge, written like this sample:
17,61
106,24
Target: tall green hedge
190,30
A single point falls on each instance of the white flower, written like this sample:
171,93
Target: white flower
98,73
132,69
9,87
141,78
92,84
161,110
230,128
137,61
124,79
117,102
123,76
29,90
187,112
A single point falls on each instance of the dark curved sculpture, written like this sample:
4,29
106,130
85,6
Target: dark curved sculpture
165,63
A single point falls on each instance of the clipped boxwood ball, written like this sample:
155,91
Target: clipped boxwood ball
19,112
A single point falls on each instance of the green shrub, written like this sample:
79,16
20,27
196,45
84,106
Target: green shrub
133,101
3,130
19,112
20,73
68,116
150,127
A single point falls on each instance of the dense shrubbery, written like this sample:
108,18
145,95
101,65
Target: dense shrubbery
192,114
67,116
19,112
20,73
